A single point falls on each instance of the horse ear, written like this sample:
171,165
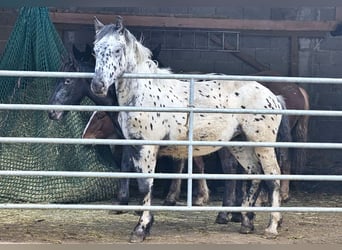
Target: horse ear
119,25
156,51
76,52
74,62
98,25
88,49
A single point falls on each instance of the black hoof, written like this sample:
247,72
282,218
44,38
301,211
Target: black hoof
236,217
137,237
222,218
141,232
285,200
169,203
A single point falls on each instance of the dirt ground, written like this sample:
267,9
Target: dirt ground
74,226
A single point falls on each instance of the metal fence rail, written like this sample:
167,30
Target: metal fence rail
190,142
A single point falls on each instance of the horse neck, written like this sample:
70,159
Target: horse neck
127,89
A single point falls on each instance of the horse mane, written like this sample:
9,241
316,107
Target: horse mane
143,54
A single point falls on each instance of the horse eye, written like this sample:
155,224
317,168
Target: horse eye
67,81
117,51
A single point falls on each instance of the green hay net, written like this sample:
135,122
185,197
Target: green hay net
35,45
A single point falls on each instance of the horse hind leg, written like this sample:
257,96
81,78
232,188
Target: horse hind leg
267,158
202,196
247,159
175,187
284,162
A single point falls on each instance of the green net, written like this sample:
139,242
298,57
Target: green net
35,45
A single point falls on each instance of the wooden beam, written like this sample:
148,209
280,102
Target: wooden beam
191,22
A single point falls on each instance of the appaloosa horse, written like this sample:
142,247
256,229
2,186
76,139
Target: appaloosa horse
292,160
117,52
295,97
71,91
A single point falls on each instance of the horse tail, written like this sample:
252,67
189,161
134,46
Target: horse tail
284,131
284,135
299,134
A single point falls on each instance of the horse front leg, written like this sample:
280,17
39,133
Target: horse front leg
229,166
202,196
143,158
175,187
123,193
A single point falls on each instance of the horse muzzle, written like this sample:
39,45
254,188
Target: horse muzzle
55,114
98,87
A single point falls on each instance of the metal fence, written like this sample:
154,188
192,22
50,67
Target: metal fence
190,143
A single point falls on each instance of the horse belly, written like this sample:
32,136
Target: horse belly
181,152
207,127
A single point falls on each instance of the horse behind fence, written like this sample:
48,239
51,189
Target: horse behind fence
117,52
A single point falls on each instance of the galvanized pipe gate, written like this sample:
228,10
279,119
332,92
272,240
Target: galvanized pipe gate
190,143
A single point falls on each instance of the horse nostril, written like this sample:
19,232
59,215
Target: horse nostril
98,86
51,114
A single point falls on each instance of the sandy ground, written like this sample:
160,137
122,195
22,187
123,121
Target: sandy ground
74,226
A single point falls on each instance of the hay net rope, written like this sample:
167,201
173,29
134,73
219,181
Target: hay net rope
34,44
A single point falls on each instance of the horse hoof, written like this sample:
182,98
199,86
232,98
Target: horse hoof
246,229
285,198
221,220
198,203
270,235
236,217
137,237
170,203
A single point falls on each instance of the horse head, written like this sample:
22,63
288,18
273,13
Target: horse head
110,54
68,91
117,52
